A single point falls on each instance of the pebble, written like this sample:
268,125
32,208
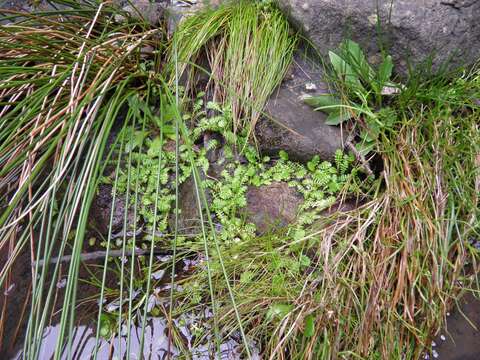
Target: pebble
390,90
443,337
157,275
435,354
183,3
373,19
434,344
113,306
61,284
152,301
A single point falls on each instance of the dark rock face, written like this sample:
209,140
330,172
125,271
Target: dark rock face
152,12
294,126
413,30
189,221
12,4
101,208
272,206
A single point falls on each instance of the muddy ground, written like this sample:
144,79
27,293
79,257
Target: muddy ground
462,341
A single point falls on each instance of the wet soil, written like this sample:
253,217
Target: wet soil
13,301
460,340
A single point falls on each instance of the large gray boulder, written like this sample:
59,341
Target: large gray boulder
150,11
293,126
414,30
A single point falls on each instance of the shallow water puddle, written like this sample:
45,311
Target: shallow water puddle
83,344
155,344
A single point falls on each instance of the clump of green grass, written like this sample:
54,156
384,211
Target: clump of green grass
65,77
249,46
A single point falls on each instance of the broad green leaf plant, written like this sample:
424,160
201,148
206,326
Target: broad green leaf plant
360,95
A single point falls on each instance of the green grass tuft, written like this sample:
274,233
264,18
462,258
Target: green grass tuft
249,46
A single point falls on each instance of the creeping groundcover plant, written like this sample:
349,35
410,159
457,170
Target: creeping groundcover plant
128,160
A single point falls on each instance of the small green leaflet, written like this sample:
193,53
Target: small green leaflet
332,106
283,155
356,58
385,71
136,140
278,311
324,100
345,71
309,329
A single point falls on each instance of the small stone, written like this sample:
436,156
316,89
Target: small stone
157,275
124,330
61,284
272,206
144,10
113,306
101,302
310,86
442,337
390,90
435,354
434,344
373,19
152,302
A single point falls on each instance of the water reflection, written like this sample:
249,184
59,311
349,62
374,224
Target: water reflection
155,344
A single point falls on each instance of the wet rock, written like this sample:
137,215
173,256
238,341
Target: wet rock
189,217
413,30
189,220
292,125
14,293
178,10
17,5
101,208
277,205
270,207
151,12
